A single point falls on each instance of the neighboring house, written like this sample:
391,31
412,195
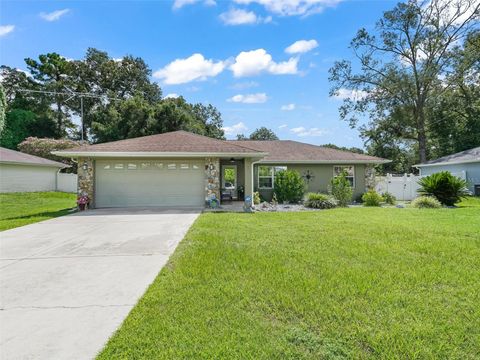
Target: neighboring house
465,164
184,169
20,172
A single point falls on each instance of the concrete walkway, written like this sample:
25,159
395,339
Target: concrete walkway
66,284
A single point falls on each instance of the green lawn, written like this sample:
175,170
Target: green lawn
344,283
18,209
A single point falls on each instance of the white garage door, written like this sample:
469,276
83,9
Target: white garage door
122,183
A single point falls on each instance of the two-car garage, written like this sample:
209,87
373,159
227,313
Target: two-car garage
150,182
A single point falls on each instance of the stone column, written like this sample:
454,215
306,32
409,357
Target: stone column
212,178
369,177
86,179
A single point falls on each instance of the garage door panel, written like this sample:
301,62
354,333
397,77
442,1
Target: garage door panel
156,183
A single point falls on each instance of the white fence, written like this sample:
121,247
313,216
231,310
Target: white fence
403,187
67,182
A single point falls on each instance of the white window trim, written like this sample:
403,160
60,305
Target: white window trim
272,176
353,176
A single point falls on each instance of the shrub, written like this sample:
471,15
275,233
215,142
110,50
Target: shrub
371,198
341,190
320,201
426,202
389,198
256,198
289,186
448,189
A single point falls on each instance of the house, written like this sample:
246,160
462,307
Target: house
184,169
20,172
464,164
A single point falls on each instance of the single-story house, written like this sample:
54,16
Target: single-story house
184,169
20,172
464,164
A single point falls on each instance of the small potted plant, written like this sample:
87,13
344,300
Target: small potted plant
82,202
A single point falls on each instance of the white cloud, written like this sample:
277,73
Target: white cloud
283,126
195,67
6,29
242,17
288,107
301,46
249,98
54,15
171,96
177,4
350,94
293,7
235,129
302,131
249,63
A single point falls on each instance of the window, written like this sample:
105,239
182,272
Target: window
132,166
158,165
118,166
195,167
107,167
266,175
184,166
145,165
350,169
171,166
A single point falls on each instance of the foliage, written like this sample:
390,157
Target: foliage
295,282
341,190
44,147
448,189
3,108
256,198
371,198
389,198
229,175
320,201
289,186
343,148
426,202
403,67
262,133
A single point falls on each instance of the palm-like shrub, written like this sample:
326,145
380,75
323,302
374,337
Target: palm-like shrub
448,189
426,202
371,198
289,186
389,198
320,201
341,190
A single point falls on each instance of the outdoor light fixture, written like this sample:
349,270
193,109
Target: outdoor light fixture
85,166
232,160
212,167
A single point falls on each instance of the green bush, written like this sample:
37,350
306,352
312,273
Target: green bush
371,198
389,198
426,202
341,190
289,186
320,201
448,189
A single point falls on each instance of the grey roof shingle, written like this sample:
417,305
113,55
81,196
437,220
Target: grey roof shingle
17,157
471,155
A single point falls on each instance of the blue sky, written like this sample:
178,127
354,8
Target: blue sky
260,62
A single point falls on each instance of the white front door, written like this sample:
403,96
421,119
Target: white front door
229,179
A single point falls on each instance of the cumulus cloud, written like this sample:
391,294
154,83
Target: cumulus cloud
283,126
249,98
171,96
54,15
343,94
6,29
302,131
301,46
177,4
254,62
292,7
242,17
288,107
195,67
235,129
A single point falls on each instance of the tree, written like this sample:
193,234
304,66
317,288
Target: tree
402,65
343,148
241,137
263,134
3,108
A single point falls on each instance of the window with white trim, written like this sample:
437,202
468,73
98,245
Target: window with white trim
266,175
349,169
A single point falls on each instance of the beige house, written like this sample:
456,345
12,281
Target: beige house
184,169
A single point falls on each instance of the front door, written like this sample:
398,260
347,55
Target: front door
229,180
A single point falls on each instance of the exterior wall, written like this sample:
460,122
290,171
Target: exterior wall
322,173
472,171
212,178
27,178
86,179
67,182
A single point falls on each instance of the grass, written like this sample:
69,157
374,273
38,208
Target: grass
18,209
358,283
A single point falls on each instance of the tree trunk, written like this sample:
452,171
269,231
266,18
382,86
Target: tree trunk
422,136
59,119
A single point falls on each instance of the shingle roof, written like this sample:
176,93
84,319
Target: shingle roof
171,142
294,151
17,157
471,155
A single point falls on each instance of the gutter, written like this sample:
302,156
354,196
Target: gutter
447,163
336,162
150,154
34,164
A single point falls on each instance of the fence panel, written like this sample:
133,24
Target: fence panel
67,182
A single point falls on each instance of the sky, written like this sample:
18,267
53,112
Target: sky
260,62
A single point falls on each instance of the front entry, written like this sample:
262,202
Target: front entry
229,182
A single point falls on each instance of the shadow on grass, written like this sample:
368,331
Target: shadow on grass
47,214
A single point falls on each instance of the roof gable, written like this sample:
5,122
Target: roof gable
470,155
17,157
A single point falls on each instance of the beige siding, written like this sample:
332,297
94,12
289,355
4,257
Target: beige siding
322,173
27,178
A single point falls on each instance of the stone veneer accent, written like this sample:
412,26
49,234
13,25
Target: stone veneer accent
369,177
212,178
86,179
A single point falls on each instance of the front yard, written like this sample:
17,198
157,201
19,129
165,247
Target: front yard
342,283
18,209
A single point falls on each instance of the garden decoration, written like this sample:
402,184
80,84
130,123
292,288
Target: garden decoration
213,202
247,205
82,202
308,175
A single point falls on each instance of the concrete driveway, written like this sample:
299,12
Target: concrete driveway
68,283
